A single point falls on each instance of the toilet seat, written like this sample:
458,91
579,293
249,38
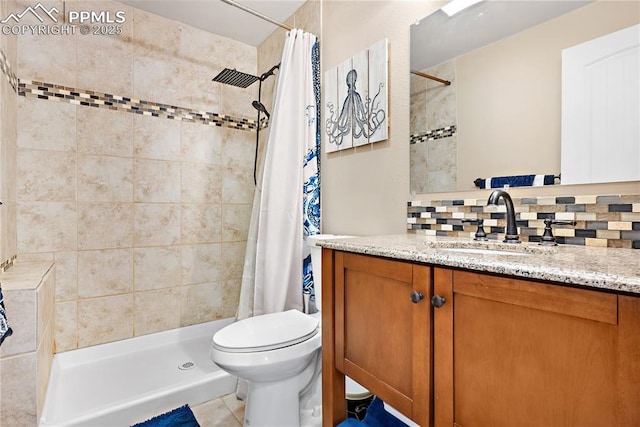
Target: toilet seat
266,332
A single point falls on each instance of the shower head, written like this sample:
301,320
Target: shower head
235,78
260,107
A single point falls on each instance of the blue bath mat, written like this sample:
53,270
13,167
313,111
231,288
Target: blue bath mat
376,417
179,417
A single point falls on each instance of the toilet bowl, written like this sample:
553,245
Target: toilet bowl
279,354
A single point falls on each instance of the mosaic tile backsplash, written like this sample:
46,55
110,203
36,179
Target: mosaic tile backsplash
606,221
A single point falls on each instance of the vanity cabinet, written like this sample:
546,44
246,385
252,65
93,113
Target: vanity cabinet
376,330
498,351
513,352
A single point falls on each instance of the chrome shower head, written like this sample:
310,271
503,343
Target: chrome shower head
260,107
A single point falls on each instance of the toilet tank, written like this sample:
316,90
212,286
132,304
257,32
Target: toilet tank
316,262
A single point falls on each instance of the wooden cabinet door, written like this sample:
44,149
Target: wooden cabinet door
511,352
383,338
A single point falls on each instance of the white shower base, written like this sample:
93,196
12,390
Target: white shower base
129,381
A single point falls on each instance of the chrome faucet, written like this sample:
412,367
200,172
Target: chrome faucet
511,235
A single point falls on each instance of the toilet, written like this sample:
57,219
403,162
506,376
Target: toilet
279,354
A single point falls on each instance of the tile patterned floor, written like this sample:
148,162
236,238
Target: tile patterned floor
226,411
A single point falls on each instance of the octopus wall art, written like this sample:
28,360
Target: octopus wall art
356,100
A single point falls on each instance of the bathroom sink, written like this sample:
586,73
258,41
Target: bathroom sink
483,251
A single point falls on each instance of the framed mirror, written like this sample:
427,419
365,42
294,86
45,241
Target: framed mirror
501,113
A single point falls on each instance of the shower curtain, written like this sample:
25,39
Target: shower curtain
286,206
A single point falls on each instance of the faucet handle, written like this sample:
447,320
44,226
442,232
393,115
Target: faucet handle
548,239
480,233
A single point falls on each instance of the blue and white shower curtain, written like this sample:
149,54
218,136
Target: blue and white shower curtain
286,210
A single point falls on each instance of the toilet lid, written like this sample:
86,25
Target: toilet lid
266,332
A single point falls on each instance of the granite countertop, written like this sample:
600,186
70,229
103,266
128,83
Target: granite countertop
595,267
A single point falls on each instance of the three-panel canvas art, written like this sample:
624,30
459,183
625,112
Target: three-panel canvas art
356,100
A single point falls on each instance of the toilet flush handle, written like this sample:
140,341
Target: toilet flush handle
416,297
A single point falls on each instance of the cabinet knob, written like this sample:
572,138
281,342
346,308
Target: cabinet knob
437,301
416,297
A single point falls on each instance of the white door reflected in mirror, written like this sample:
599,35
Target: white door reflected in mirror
601,109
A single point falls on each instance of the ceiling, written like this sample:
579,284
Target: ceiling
222,19
439,38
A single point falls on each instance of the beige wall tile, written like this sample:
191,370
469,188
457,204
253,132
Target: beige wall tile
66,326
156,310
201,144
156,80
105,272
47,176
199,93
157,267
105,225
21,308
66,275
46,125
201,263
44,359
441,99
34,66
155,36
233,259
105,179
104,132
45,296
157,181
236,101
46,226
109,56
235,222
155,138
201,223
237,185
105,319
17,387
156,224
238,148
202,303
201,183
8,145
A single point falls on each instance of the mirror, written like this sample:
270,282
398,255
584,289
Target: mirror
501,113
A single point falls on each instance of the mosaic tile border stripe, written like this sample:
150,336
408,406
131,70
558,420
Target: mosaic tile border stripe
606,221
6,69
53,92
8,263
432,135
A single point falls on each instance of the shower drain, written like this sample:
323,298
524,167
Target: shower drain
186,366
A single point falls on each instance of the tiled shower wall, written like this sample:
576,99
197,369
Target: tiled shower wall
605,221
145,216
8,135
433,140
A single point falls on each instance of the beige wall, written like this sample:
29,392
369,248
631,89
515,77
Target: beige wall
509,94
365,190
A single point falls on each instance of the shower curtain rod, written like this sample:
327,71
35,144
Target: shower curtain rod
256,13
428,76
